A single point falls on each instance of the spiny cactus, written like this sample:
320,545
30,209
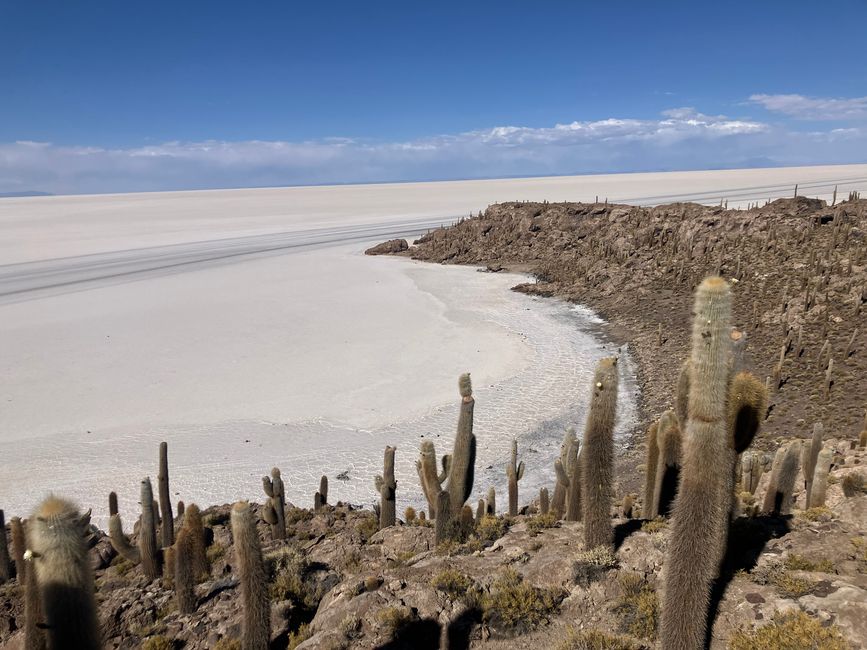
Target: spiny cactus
514,472
480,510
34,624
19,546
431,481
747,404
597,457
274,511
809,456
119,541
256,626
668,465
573,487
491,502
409,515
184,578
149,553
64,575
321,497
167,529
5,560
752,467
650,471
442,523
681,399
701,507
386,486
558,503
820,477
544,504
196,531
778,498
462,470
626,507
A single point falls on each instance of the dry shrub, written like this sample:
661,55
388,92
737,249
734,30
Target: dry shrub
790,632
638,607
597,640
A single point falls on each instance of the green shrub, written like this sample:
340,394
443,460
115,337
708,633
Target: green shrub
790,632
228,644
791,586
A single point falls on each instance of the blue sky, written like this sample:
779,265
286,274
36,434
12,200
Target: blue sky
110,96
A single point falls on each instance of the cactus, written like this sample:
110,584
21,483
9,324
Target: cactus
778,498
169,561
573,487
626,507
820,477
809,456
386,486
147,535
681,400
747,404
167,529
558,503
193,525
491,502
463,460
752,468
543,501
64,576
466,520
19,546
443,520
323,491
181,509
34,625
668,465
120,542
184,573
862,440
514,472
274,511
256,626
5,560
480,510
650,471
431,481
597,457
409,515
701,507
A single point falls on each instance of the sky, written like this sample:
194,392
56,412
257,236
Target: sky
134,96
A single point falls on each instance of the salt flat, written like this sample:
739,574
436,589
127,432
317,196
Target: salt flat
247,329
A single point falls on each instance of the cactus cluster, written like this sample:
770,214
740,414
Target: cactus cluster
274,511
386,485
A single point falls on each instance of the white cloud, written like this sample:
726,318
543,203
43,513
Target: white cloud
681,138
814,108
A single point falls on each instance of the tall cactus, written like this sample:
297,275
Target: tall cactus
491,502
256,626
558,502
196,531
701,508
514,472
321,497
668,464
149,552
274,511
19,546
597,456
781,487
809,456
167,529
573,487
386,486
544,504
462,470
64,575
647,510
5,560
431,480
442,524
681,398
820,477
34,624
184,578
752,468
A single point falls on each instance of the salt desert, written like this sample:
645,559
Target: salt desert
247,329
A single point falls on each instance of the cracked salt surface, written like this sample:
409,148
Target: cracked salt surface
222,462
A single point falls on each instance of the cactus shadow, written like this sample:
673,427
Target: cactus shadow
624,530
423,634
460,629
747,538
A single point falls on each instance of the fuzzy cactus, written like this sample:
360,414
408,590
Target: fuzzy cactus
752,468
167,528
120,542
668,464
442,523
431,480
386,486
544,505
681,398
558,502
747,405
201,567
779,496
5,560
184,574
626,507
597,456
19,546
809,456
480,510
34,624
491,502
57,541
701,508
820,477
650,471
274,511
573,487
514,472
463,459
149,552
321,497
256,625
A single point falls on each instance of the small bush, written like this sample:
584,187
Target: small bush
853,484
818,513
517,606
590,566
228,644
491,528
352,561
638,607
158,643
350,626
367,527
215,553
454,583
372,583
790,632
394,618
654,525
597,640
537,523
409,515
299,636
797,562
288,568
297,515
791,586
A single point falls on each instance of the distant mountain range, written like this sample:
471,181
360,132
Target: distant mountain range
9,195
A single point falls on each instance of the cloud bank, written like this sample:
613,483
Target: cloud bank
814,108
681,138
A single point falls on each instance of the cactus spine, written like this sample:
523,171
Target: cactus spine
543,501
386,486
63,574
597,456
147,535
820,477
167,529
650,471
463,460
701,508
274,511
5,560
514,472
256,627
809,456
558,503
668,465
184,578
34,626
196,530
431,481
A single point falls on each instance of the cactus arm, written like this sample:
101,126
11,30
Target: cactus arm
521,470
562,477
